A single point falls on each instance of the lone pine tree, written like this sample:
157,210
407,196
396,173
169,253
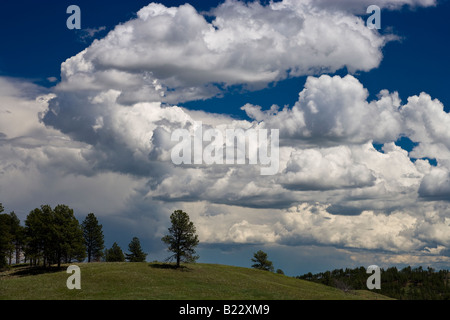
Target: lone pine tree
136,254
182,238
261,261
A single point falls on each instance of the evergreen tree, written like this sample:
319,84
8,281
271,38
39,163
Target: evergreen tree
115,254
53,236
261,261
136,254
18,235
11,237
5,237
279,271
93,237
4,240
37,235
408,283
68,236
182,238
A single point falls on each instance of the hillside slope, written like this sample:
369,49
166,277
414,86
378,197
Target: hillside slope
132,281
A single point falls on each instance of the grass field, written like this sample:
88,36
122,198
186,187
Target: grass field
158,281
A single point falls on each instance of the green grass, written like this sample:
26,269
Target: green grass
156,281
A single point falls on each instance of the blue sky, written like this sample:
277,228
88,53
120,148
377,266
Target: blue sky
87,140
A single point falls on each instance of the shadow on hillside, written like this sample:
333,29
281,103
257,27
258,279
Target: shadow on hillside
159,265
23,271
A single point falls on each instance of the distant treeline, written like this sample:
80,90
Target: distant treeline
405,284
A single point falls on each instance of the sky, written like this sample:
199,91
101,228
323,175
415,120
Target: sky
87,118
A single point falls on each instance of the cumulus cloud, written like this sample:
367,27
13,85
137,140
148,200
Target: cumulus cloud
350,175
174,55
427,123
326,155
436,184
401,231
367,230
335,110
319,169
41,165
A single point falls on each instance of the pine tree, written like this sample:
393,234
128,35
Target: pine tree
93,237
5,237
39,235
182,238
261,261
67,236
54,235
18,235
115,254
136,254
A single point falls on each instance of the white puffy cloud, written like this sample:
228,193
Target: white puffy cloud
427,123
174,55
318,169
401,231
335,110
367,230
436,184
40,165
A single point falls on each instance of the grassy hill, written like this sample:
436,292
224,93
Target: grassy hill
133,281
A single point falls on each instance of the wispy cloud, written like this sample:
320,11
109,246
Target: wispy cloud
87,34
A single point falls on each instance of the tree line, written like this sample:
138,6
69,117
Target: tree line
53,236
405,284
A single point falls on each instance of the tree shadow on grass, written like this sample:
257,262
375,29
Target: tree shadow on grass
172,266
23,271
